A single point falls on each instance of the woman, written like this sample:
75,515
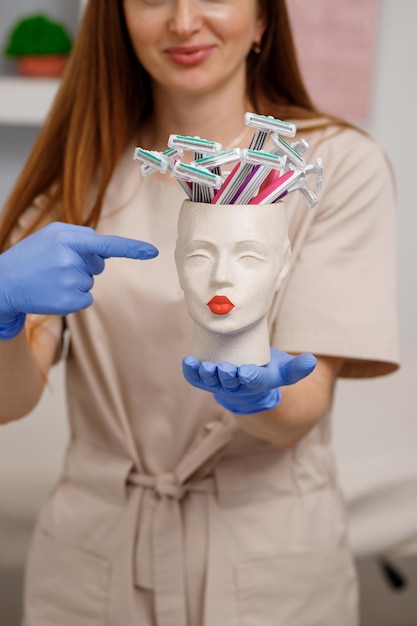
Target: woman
177,506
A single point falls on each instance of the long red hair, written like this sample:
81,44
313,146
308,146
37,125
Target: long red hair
104,98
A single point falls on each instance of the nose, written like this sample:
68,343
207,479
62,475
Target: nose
186,17
222,273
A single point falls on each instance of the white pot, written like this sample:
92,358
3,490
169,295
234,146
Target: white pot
231,260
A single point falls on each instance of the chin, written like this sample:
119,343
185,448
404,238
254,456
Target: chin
194,86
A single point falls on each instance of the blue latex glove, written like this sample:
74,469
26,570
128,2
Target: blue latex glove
249,388
51,272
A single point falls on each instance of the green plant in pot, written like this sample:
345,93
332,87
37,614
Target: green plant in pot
40,45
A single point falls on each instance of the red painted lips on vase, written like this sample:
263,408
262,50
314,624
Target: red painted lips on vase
220,305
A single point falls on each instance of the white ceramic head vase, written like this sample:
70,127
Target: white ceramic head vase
231,260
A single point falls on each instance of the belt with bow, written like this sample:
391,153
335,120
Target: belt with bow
160,557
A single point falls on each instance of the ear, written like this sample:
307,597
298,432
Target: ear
260,27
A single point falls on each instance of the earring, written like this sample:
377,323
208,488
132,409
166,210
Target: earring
256,47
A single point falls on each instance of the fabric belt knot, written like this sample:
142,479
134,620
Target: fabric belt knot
166,485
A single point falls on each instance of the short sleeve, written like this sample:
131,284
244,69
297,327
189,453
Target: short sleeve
340,298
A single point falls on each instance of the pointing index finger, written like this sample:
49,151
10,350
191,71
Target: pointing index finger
108,246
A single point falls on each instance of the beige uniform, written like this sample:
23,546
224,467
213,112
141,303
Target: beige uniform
166,514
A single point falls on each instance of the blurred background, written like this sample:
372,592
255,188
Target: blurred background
372,81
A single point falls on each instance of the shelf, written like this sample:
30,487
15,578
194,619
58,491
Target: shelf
25,101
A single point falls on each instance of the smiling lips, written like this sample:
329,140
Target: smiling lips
189,55
220,305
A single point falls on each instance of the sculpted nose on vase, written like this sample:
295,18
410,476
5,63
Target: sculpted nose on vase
222,274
